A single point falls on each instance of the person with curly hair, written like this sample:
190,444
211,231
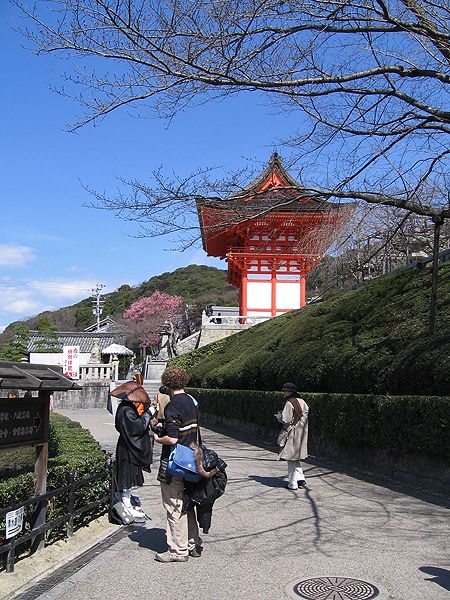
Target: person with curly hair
181,427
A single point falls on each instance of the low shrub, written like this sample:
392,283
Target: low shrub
71,450
396,424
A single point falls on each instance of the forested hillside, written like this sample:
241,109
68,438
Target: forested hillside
370,340
198,285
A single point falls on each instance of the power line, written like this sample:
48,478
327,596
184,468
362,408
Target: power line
12,284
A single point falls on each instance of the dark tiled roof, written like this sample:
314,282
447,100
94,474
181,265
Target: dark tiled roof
23,376
83,339
292,197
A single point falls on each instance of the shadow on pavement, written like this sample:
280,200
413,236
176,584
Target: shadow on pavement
316,517
440,576
275,482
151,539
264,441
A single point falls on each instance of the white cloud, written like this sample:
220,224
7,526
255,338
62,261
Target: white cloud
22,305
12,255
17,301
20,300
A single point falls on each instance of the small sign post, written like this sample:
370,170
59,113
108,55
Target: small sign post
22,422
14,522
40,471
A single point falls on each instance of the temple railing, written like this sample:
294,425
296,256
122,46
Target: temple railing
99,371
227,321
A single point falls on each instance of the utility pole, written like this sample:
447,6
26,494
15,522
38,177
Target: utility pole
97,302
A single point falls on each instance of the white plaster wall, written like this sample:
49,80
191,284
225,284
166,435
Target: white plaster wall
259,295
288,295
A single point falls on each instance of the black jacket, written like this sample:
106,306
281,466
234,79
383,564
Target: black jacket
134,438
203,494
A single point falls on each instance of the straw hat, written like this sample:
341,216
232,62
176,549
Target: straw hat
130,391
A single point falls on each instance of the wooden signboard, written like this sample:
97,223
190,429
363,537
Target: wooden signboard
23,422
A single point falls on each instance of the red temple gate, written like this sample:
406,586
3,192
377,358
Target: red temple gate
272,234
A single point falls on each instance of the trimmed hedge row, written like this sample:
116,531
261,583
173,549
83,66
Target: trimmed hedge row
71,449
372,340
397,424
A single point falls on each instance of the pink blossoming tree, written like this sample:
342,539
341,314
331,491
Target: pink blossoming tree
146,316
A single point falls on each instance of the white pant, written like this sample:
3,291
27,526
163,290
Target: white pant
295,473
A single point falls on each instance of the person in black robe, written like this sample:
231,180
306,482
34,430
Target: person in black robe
134,449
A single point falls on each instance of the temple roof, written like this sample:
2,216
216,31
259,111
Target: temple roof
273,189
107,324
23,376
274,175
273,200
83,339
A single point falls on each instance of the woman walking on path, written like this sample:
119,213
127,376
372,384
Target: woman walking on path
294,418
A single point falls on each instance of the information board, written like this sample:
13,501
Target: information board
71,361
22,422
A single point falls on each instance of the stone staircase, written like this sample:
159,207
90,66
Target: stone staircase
189,343
151,386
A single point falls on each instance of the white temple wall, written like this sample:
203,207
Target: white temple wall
259,297
288,295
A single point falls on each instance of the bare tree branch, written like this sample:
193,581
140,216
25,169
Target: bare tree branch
368,79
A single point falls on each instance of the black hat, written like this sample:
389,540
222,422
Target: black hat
289,387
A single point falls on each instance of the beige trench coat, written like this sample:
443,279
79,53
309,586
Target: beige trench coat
296,447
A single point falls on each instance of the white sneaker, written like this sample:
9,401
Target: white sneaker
136,514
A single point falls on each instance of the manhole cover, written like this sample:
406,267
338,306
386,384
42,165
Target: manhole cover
335,588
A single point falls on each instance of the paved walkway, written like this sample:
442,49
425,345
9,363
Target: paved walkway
264,538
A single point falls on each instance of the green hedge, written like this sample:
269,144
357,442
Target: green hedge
373,340
71,449
396,424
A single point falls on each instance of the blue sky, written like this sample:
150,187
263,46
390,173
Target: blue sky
53,250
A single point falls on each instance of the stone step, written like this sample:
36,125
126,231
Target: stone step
152,386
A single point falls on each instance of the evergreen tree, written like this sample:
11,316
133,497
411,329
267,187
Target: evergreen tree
48,340
17,347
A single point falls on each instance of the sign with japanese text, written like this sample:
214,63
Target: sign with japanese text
14,522
71,361
22,422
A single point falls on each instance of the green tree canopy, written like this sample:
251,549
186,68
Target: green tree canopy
17,347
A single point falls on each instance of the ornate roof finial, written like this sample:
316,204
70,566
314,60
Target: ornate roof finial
275,157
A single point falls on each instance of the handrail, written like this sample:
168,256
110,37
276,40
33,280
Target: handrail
67,517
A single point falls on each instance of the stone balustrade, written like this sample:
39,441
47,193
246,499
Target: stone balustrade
234,321
99,371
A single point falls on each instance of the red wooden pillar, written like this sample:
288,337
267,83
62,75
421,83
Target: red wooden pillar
274,294
243,310
302,290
